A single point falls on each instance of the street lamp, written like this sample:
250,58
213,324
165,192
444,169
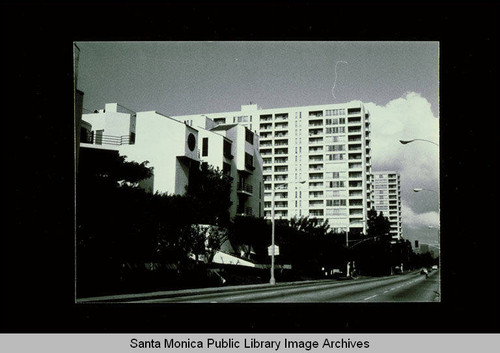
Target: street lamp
273,280
347,242
421,189
404,142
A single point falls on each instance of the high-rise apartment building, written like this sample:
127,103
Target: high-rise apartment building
387,199
315,158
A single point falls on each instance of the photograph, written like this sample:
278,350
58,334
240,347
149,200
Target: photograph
275,172
257,172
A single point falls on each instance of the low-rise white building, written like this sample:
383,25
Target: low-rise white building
173,148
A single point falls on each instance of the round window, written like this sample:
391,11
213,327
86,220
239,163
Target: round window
191,142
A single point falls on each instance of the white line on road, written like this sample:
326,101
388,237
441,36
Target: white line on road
373,296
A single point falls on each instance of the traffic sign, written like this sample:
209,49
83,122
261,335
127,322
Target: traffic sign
276,250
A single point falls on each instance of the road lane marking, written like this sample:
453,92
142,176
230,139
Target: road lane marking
373,296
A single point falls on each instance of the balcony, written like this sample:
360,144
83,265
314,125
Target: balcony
315,150
316,204
315,131
316,159
281,117
316,213
316,195
244,211
316,176
280,134
268,117
245,189
281,204
281,126
351,111
281,143
281,195
316,114
281,160
355,184
280,178
316,167
100,139
316,141
280,214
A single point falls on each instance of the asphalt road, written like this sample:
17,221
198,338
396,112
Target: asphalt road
409,287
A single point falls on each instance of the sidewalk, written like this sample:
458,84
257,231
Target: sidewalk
122,298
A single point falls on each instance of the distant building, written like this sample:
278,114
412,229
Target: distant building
316,158
174,148
387,199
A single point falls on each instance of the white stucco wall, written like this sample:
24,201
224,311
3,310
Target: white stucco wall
160,140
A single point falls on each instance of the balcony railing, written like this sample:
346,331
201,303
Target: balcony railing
99,139
246,188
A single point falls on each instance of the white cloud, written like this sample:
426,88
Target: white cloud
413,220
406,118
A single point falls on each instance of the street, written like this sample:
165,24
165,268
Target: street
408,287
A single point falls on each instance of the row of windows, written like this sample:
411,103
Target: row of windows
336,202
335,121
334,112
335,130
335,148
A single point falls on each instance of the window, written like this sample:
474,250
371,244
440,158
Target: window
336,148
204,150
227,149
248,161
249,136
336,202
226,169
337,184
335,130
241,119
336,157
334,112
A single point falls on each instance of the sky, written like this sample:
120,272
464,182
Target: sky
397,81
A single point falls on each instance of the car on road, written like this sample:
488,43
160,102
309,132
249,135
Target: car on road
434,267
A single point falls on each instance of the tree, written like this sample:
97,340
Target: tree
310,225
210,190
378,225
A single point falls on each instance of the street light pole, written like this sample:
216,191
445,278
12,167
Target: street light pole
347,244
273,280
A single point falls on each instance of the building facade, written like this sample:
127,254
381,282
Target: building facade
387,199
173,148
317,159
